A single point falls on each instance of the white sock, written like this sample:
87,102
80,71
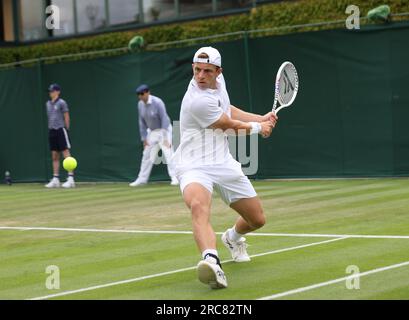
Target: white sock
212,251
234,235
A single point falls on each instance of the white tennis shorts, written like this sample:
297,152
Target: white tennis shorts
228,180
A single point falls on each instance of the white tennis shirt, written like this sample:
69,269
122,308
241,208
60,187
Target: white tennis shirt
201,146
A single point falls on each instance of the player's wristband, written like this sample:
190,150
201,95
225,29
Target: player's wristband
255,128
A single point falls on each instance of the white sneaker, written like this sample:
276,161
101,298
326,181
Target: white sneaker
210,273
70,183
54,183
137,183
174,182
238,249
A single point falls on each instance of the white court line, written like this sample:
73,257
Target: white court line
315,235
301,235
65,293
327,283
96,230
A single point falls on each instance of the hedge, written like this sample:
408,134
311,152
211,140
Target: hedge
264,16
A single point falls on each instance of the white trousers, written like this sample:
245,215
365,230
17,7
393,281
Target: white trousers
157,140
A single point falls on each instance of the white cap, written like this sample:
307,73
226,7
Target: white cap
213,54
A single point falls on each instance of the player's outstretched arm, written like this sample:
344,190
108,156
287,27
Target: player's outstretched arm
230,125
238,114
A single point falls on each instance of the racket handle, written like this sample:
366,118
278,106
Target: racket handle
274,106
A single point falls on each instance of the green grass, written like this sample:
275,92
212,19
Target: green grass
86,259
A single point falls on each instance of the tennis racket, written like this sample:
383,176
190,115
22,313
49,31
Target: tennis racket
286,86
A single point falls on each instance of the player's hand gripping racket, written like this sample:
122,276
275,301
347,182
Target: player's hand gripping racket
286,86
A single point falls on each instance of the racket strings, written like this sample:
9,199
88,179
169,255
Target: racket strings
288,84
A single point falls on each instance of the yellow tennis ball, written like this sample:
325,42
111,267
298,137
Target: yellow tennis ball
69,163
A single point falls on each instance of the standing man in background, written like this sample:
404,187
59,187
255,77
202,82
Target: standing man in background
156,133
58,126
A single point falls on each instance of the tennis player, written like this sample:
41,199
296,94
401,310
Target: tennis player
203,163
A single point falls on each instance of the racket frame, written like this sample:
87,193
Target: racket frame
277,85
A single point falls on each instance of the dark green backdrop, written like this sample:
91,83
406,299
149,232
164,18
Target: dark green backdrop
349,119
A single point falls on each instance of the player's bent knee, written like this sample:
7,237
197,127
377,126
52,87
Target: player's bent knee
258,221
197,208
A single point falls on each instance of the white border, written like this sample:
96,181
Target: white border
262,234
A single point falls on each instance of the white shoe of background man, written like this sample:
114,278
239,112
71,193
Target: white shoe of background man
137,183
238,248
70,183
174,181
210,272
54,183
